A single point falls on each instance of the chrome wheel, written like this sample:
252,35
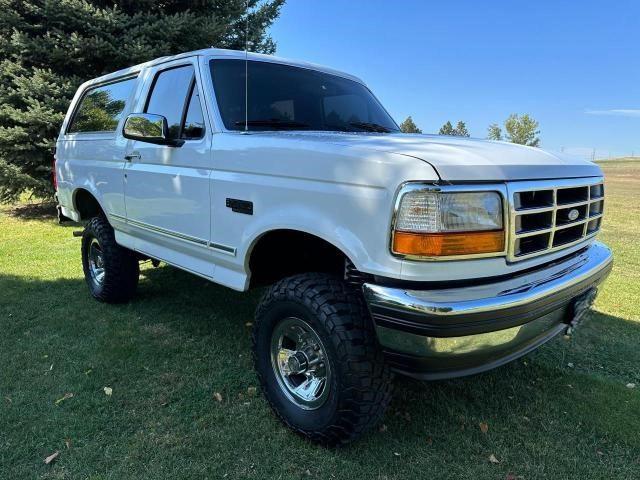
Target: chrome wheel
96,262
300,363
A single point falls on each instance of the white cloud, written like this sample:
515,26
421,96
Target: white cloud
618,112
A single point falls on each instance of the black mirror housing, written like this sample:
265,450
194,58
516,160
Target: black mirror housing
150,128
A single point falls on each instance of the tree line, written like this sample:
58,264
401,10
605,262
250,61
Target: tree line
521,129
49,48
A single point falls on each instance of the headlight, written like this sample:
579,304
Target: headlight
435,224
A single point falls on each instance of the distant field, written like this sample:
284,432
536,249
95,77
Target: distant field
621,230
564,412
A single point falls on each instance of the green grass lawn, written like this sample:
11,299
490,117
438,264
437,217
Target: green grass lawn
562,412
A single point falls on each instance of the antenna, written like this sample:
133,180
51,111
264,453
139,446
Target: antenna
246,69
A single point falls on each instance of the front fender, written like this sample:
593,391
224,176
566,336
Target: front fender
354,219
340,237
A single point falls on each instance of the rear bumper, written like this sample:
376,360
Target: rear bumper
451,332
65,214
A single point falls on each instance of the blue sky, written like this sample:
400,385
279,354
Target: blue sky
573,65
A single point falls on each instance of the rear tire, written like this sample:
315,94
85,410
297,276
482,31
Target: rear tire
314,328
111,271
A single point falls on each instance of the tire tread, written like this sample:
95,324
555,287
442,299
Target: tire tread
366,386
122,269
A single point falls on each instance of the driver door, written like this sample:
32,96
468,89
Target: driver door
167,188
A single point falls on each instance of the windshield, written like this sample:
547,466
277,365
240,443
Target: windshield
282,97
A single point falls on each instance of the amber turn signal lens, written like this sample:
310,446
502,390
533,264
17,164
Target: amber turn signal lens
447,244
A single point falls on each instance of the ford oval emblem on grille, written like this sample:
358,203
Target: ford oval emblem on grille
573,214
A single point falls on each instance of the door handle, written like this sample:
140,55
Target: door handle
132,156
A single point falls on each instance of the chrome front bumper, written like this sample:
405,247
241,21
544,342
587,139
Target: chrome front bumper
449,332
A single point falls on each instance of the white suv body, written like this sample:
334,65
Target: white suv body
208,201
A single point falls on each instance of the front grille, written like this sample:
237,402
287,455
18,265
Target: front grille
551,215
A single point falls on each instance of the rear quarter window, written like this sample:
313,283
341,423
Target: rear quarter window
100,108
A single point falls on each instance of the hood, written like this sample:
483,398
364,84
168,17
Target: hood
464,159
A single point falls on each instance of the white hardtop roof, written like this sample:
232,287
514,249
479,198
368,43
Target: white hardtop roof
219,52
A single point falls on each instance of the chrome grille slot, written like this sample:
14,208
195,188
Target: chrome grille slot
567,196
550,215
534,221
596,208
597,191
593,226
568,235
532,244
535,199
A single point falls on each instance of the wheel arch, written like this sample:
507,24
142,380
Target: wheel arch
281,252
86,204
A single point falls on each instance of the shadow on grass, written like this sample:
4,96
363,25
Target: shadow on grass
536,397
195,306
33,211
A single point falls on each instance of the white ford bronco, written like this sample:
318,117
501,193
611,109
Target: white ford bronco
382,252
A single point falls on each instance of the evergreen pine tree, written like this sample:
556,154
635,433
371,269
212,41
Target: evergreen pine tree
494,132
461,129
447,129
49,47
408,126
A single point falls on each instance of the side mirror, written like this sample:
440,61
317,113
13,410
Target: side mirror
150,128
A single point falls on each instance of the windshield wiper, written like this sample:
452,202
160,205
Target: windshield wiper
273,122
371,127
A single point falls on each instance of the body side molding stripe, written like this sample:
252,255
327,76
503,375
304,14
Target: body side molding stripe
198,241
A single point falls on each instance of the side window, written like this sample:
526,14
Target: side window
100,108
174,95
194,120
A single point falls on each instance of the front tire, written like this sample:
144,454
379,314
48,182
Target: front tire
318,360
111,271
